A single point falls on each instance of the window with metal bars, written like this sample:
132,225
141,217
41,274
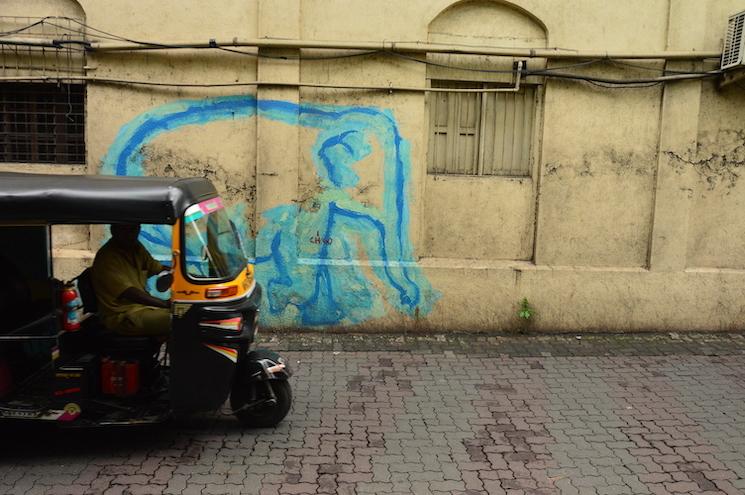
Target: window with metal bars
42,123
480,133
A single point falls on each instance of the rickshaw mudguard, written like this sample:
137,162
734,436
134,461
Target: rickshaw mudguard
264,364
204,359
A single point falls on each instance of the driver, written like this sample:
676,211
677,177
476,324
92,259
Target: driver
120,271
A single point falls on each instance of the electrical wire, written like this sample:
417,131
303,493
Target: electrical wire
21,29
46,21
470,69
624,86
467,45
597,81
302,57
620,82
159,83
114,37
81,32
655,69
553,72
119,38
107,80
219,47
107,35
57,42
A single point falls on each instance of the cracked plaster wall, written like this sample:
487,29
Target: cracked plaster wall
717,223
598,175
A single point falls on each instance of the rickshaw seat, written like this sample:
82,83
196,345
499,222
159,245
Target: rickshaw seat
110,341
87,295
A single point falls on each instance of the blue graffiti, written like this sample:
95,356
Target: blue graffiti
308,258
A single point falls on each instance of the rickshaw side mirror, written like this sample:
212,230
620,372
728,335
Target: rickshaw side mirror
164,281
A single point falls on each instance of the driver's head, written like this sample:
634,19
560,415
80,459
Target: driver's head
125,234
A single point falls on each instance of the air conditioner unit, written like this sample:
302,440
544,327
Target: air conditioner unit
734,43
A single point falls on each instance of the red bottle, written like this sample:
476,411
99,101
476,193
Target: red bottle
69,301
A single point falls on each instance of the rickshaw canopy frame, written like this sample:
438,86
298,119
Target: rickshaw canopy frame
47,199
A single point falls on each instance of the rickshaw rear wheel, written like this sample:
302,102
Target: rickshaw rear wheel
264,415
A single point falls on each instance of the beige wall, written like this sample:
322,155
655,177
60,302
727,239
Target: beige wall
716,231
630,219
598,174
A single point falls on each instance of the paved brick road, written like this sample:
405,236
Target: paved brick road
458,414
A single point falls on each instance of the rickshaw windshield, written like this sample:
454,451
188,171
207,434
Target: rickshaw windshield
213,248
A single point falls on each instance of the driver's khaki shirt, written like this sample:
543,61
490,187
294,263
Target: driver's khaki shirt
116,270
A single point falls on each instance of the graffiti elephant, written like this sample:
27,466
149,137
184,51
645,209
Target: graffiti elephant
322,280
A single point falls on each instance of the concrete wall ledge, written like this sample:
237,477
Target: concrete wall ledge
461,263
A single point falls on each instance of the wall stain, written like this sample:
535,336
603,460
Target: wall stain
307,194
603,163
160,161
718,158
630,163
585,170
552,169
165,162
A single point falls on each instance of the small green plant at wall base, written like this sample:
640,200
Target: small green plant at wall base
526,310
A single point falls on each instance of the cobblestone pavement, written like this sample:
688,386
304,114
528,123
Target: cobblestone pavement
458,414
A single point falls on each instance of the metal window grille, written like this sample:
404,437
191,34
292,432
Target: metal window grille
481,133
42,123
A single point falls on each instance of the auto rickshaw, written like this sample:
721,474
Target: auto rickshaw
92,377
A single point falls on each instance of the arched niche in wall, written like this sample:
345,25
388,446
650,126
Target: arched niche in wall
481,145
483,23
487,23
43,8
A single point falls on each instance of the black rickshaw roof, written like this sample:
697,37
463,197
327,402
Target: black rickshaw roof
89,199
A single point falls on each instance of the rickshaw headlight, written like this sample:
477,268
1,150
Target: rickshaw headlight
216,292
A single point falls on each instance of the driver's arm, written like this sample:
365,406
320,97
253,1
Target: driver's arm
139,296
153,267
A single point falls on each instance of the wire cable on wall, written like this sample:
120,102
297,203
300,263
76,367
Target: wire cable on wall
667,75
602,82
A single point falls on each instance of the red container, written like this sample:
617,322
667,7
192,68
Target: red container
107,374
117,378
120,378
131,378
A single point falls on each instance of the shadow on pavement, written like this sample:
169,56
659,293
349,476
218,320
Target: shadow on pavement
25,442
